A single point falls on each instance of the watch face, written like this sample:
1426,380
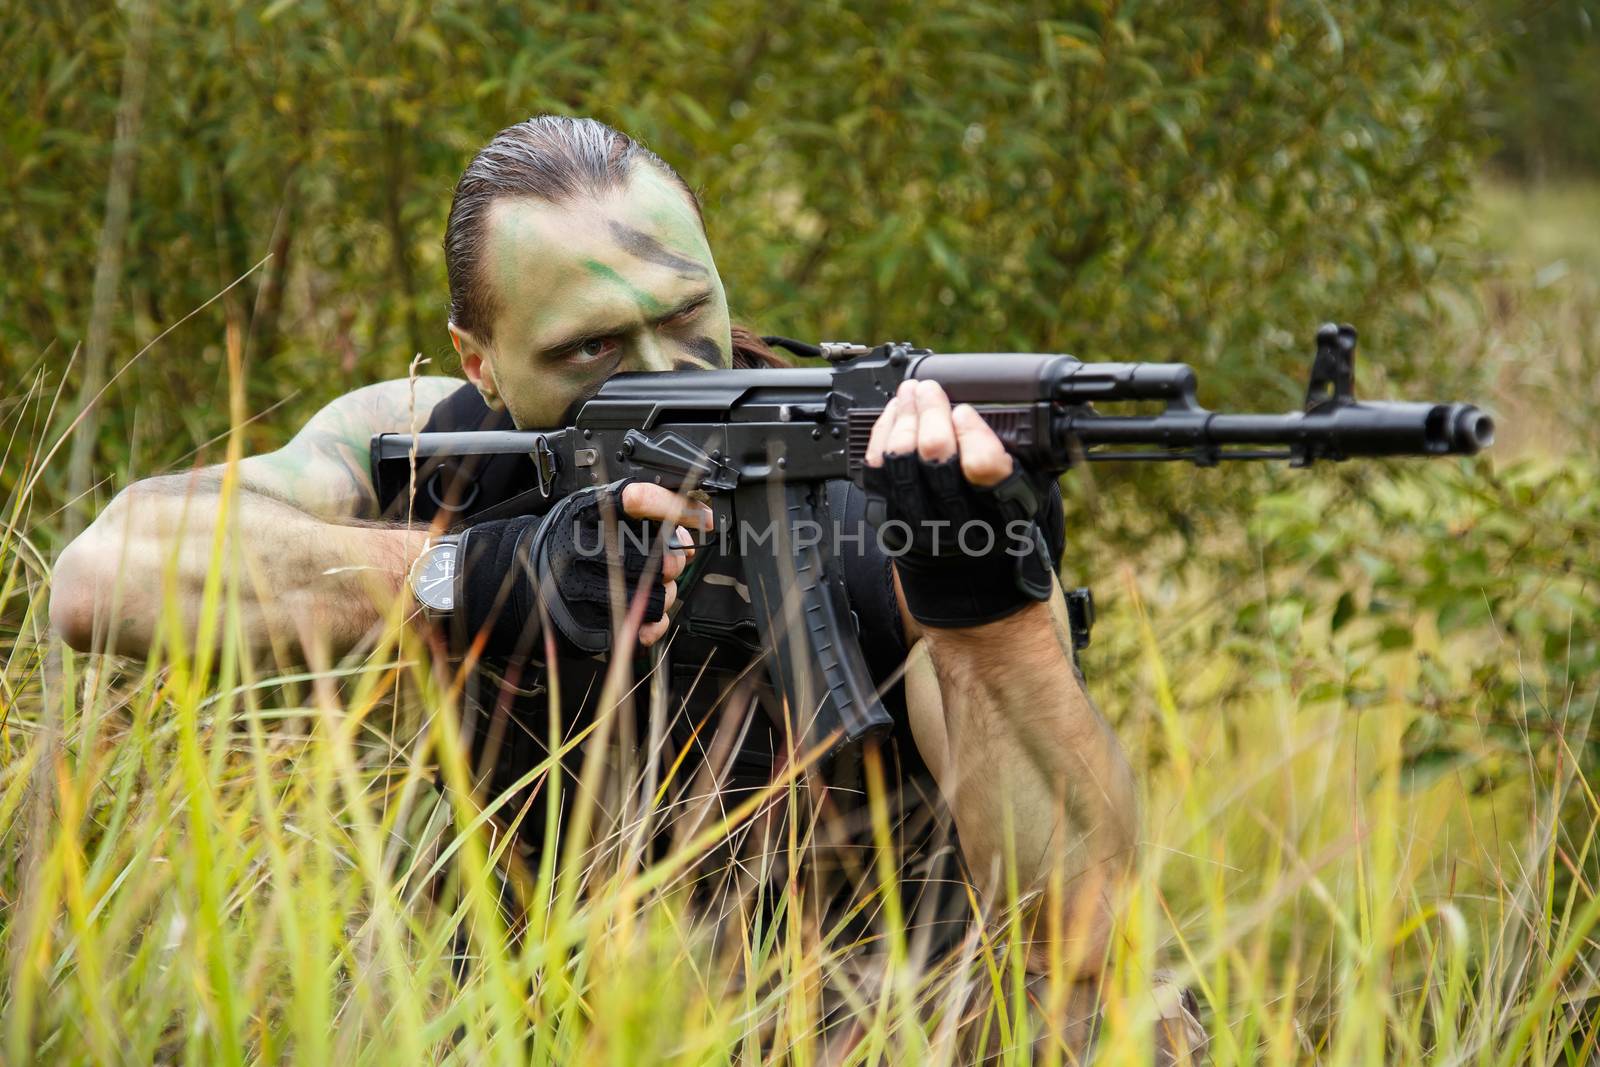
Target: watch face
434,578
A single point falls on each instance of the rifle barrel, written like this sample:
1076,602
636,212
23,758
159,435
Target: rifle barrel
1358,429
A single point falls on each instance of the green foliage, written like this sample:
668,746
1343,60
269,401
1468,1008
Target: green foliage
1356,715
1546,118
1122,180
1476,566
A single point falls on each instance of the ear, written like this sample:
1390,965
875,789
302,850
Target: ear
478,364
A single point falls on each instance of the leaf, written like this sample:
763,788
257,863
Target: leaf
947,260
276,8
1343,611
1429,766
1173,132
1395,636
697,114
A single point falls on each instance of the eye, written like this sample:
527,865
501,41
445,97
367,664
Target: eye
686,314
595,348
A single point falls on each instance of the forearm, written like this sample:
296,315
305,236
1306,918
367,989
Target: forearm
299,579
1029,758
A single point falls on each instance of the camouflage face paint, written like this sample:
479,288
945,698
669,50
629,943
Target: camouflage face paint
592,287
643,246
647,303
707,352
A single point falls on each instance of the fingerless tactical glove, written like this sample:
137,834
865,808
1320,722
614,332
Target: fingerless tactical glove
967,554
562,560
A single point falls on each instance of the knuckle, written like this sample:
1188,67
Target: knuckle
980,431
936,442
985,466
633,497
651,502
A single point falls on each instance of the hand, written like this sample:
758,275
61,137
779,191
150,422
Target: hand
561,562
919,419
653,503
954,511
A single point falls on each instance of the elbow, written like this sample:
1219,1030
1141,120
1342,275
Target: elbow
72,595
84,576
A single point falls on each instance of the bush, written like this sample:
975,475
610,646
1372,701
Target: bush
1545,119
1199,181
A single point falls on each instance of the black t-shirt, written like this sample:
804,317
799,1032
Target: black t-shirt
720,723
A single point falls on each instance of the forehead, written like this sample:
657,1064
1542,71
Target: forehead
561,269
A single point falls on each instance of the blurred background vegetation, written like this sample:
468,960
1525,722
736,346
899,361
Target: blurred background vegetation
1202,181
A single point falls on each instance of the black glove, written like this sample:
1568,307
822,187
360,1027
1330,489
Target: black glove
967,554
562,560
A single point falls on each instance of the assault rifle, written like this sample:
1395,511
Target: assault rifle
759,445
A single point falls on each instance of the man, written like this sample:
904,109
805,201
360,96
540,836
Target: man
573,254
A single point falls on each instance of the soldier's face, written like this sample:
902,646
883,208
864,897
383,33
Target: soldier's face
592,287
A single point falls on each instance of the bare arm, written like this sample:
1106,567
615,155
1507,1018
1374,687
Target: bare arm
1032,773
314,569
1001,717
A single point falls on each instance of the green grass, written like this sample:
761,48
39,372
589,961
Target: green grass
1362,723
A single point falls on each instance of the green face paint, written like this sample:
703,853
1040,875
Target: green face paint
647,303
593,287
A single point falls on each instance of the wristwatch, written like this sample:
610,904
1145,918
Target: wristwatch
433,576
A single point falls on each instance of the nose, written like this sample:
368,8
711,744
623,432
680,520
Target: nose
652,356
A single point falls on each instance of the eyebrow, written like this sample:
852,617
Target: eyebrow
576,339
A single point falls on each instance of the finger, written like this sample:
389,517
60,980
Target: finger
645,500
674,559
984,460
880,433
903,434
650,634
936,434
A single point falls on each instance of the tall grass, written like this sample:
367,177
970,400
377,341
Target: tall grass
205,862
